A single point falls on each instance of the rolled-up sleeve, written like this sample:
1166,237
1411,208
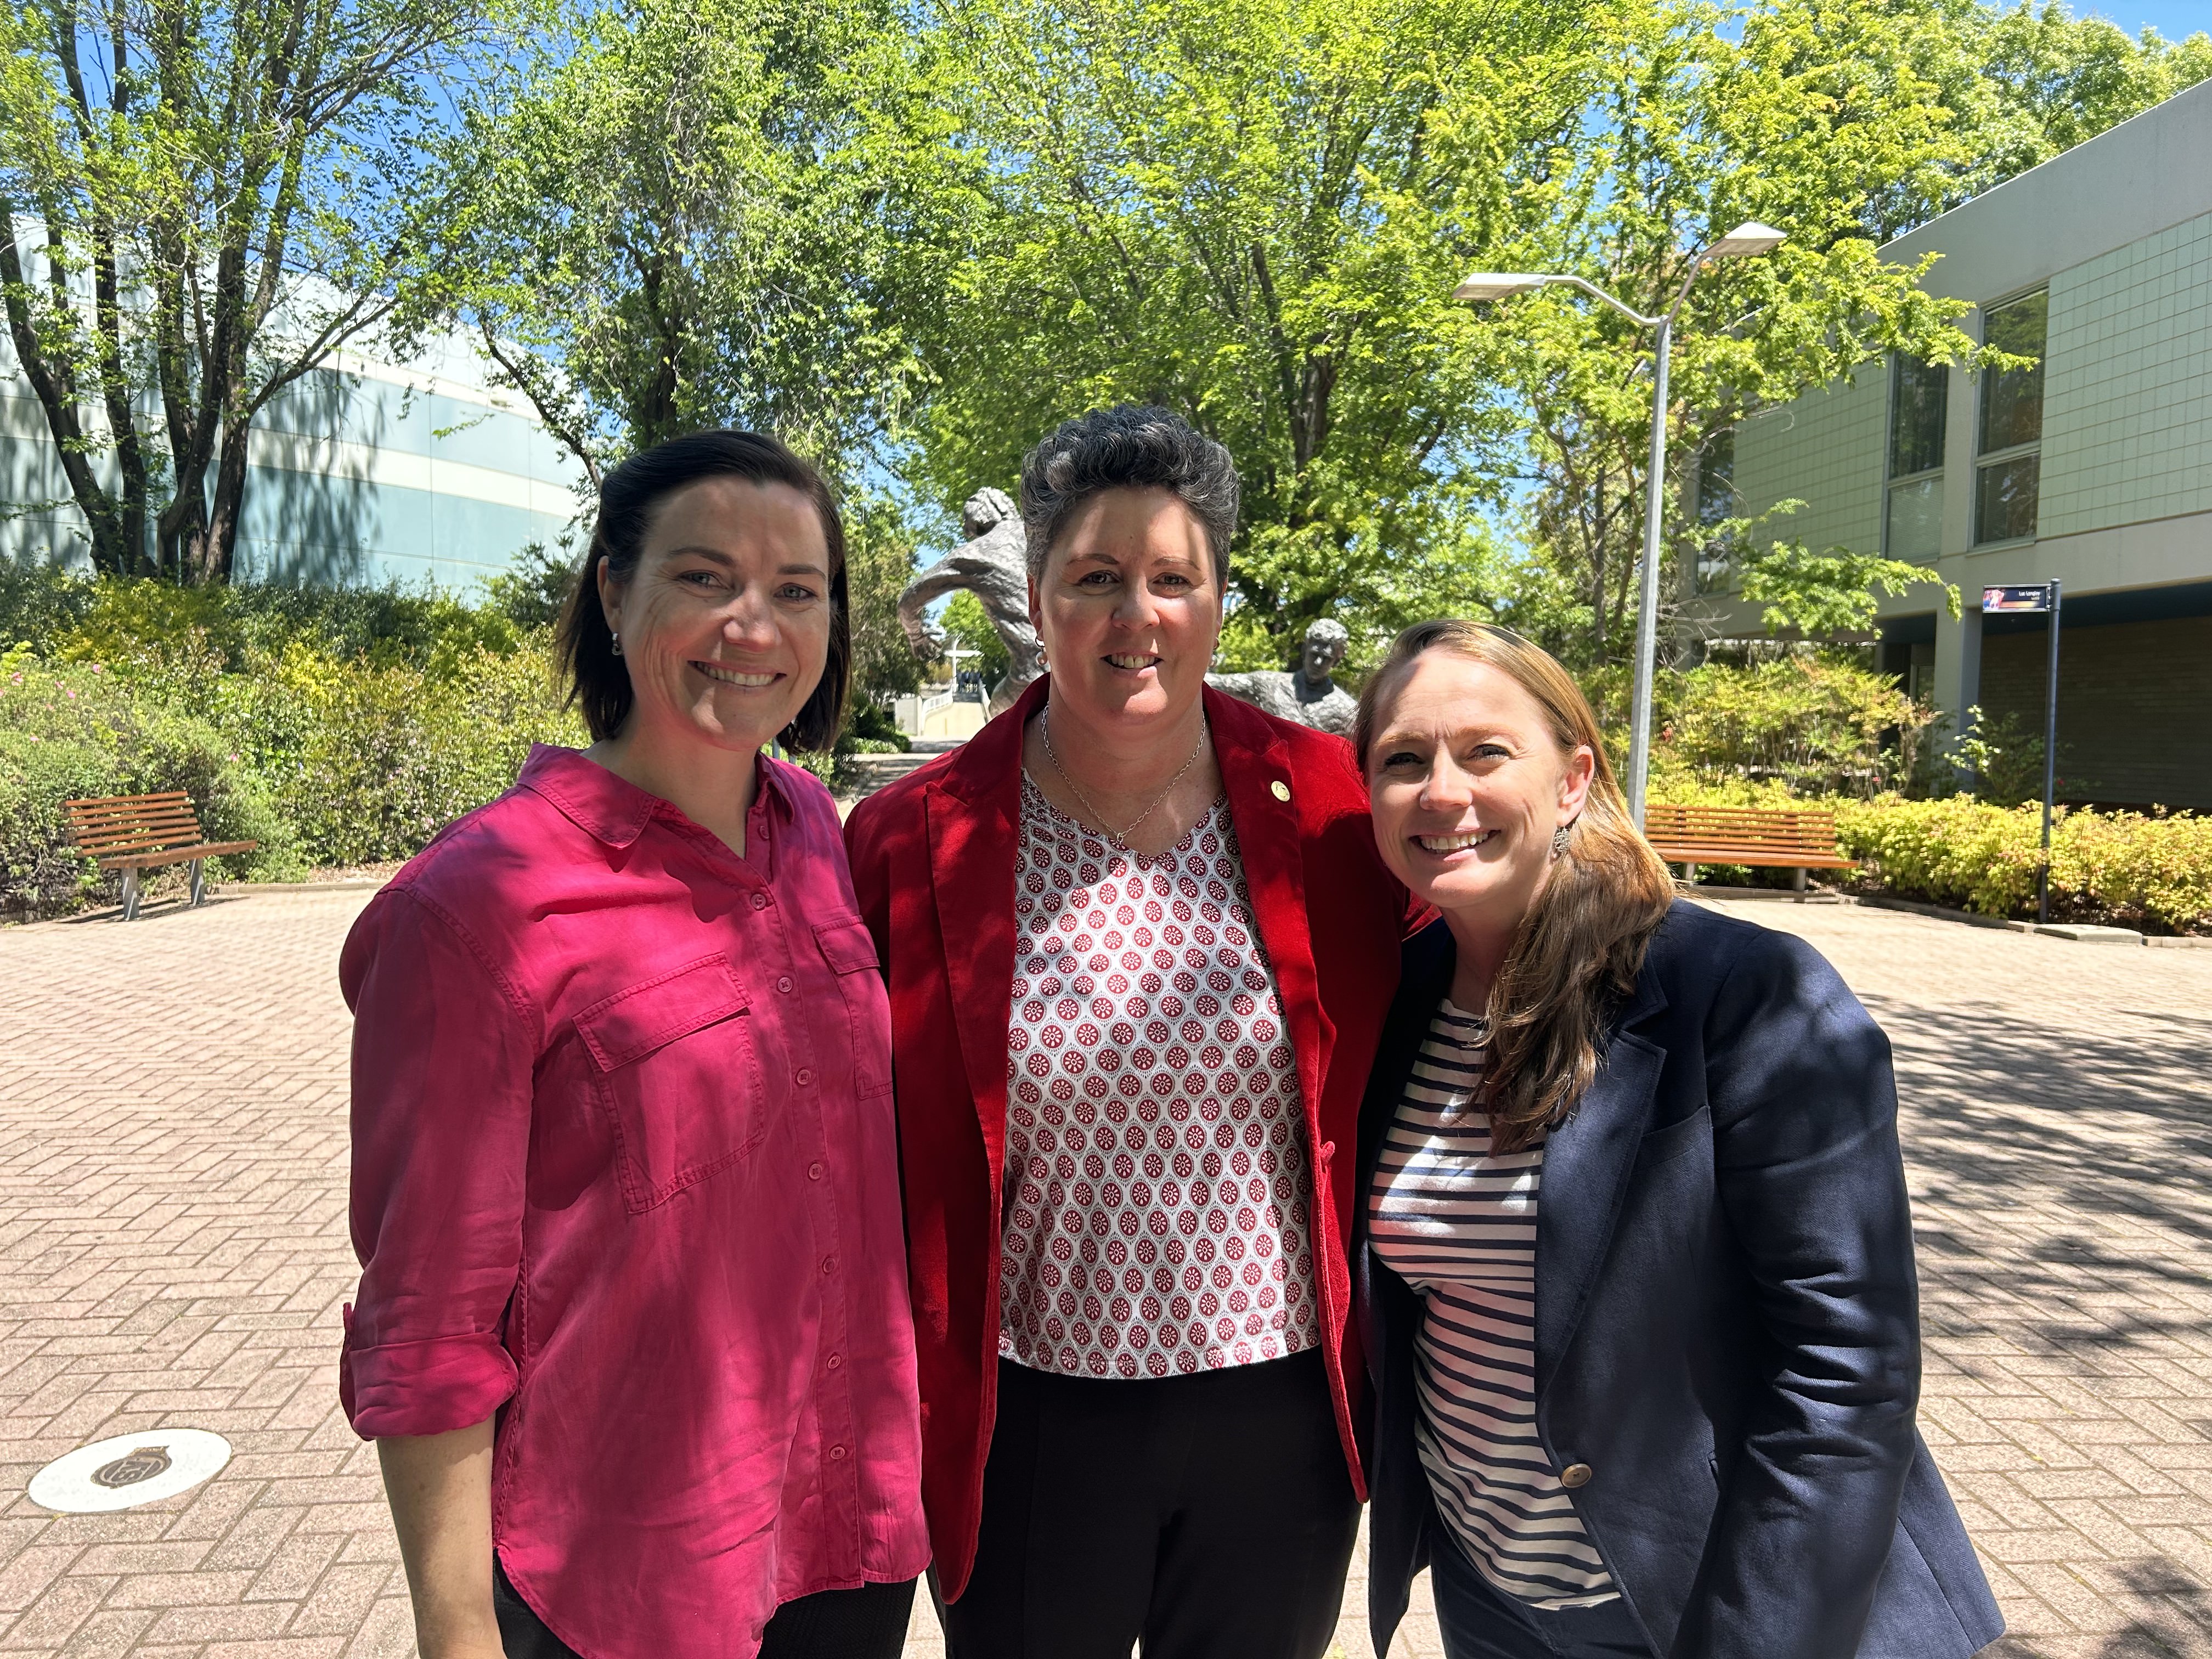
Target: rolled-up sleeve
443,1048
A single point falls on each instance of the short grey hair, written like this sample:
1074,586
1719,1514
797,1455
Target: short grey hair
1128,446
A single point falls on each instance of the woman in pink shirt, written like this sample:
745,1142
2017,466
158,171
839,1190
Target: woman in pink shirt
632,1333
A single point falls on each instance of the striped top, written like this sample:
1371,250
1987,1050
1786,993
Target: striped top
1460,1226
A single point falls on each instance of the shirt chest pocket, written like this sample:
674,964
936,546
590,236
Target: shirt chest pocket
676,1068
850,951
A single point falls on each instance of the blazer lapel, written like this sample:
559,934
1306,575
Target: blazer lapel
974,842
1586,1164
1254,765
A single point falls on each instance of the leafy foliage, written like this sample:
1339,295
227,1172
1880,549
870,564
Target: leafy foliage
657,221
964,623
1822,595
335,729
1251,211
2138,869
1801,724
201,199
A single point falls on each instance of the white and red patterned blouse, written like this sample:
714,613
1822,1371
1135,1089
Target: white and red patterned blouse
1158,1189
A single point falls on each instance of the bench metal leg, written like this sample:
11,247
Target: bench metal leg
1689,875
131,893
199,867
1796,878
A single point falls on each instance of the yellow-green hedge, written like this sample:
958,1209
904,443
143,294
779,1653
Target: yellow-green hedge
2137,870
1965,851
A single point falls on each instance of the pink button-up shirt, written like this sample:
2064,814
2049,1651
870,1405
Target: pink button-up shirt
625,1172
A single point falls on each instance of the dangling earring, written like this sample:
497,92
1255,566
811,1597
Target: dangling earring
614,643
1044,660
1559,841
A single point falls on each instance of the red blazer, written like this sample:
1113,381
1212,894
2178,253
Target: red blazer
933,859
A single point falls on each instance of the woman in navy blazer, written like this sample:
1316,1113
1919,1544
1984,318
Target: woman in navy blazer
1720,1332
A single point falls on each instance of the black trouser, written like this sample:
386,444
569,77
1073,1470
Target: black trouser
1210,1516
867,1623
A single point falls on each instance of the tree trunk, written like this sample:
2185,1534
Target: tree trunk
219,558
56,386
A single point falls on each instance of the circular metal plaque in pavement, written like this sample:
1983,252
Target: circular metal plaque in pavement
129,1470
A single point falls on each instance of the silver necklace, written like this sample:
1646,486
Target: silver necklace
1044,728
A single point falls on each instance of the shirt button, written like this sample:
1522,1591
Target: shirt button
829,1264
836,1360
759,901
1574,1474
783,983
836,1454
805,1075
814,1172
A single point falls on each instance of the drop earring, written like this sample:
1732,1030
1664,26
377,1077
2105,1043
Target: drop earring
1044,660
614,643
1559,841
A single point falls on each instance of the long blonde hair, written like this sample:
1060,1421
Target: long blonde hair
1580,947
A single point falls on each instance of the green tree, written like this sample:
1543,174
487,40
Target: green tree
204,199
1796,114
1252,212
964,623
879,562
659,219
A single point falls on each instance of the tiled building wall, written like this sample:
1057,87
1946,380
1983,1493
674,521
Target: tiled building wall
1825,450
2125,735
2127,432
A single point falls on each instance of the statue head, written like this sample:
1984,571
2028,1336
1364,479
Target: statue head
985,508
1326,643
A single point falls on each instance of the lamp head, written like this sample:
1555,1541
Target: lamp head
1747,238
1498,284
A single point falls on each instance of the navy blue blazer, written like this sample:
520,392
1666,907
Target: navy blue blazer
1727,1329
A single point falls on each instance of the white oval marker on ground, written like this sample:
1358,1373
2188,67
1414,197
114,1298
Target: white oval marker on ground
129,1470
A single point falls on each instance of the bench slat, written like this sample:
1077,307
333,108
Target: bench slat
1776,837
212,849
136,831
127,800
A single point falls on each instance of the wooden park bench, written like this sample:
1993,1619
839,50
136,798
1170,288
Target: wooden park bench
1775,839
132,833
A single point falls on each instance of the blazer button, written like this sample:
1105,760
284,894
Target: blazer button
1574,1474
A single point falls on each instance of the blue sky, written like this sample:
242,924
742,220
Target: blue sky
2170,18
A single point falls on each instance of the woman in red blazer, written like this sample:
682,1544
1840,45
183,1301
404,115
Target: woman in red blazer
1140,946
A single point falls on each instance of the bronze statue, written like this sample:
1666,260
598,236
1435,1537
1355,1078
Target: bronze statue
992,565
1309,697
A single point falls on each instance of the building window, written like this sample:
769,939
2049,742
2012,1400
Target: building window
2008,465
1716,505
1918,391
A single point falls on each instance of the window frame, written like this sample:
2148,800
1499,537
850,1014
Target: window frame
1891,481
1985,459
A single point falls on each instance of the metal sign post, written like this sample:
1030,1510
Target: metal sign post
2040,596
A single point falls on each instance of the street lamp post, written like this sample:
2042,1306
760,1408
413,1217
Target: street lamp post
1748,238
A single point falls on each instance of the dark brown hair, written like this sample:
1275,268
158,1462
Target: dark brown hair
599,683
1582,943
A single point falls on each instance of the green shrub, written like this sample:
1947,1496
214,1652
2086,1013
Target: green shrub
2143,871
78,731
334,728
1812,725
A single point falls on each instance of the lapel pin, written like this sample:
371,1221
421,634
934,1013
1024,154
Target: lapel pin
1280,790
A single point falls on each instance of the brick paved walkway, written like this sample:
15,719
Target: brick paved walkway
172,1253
